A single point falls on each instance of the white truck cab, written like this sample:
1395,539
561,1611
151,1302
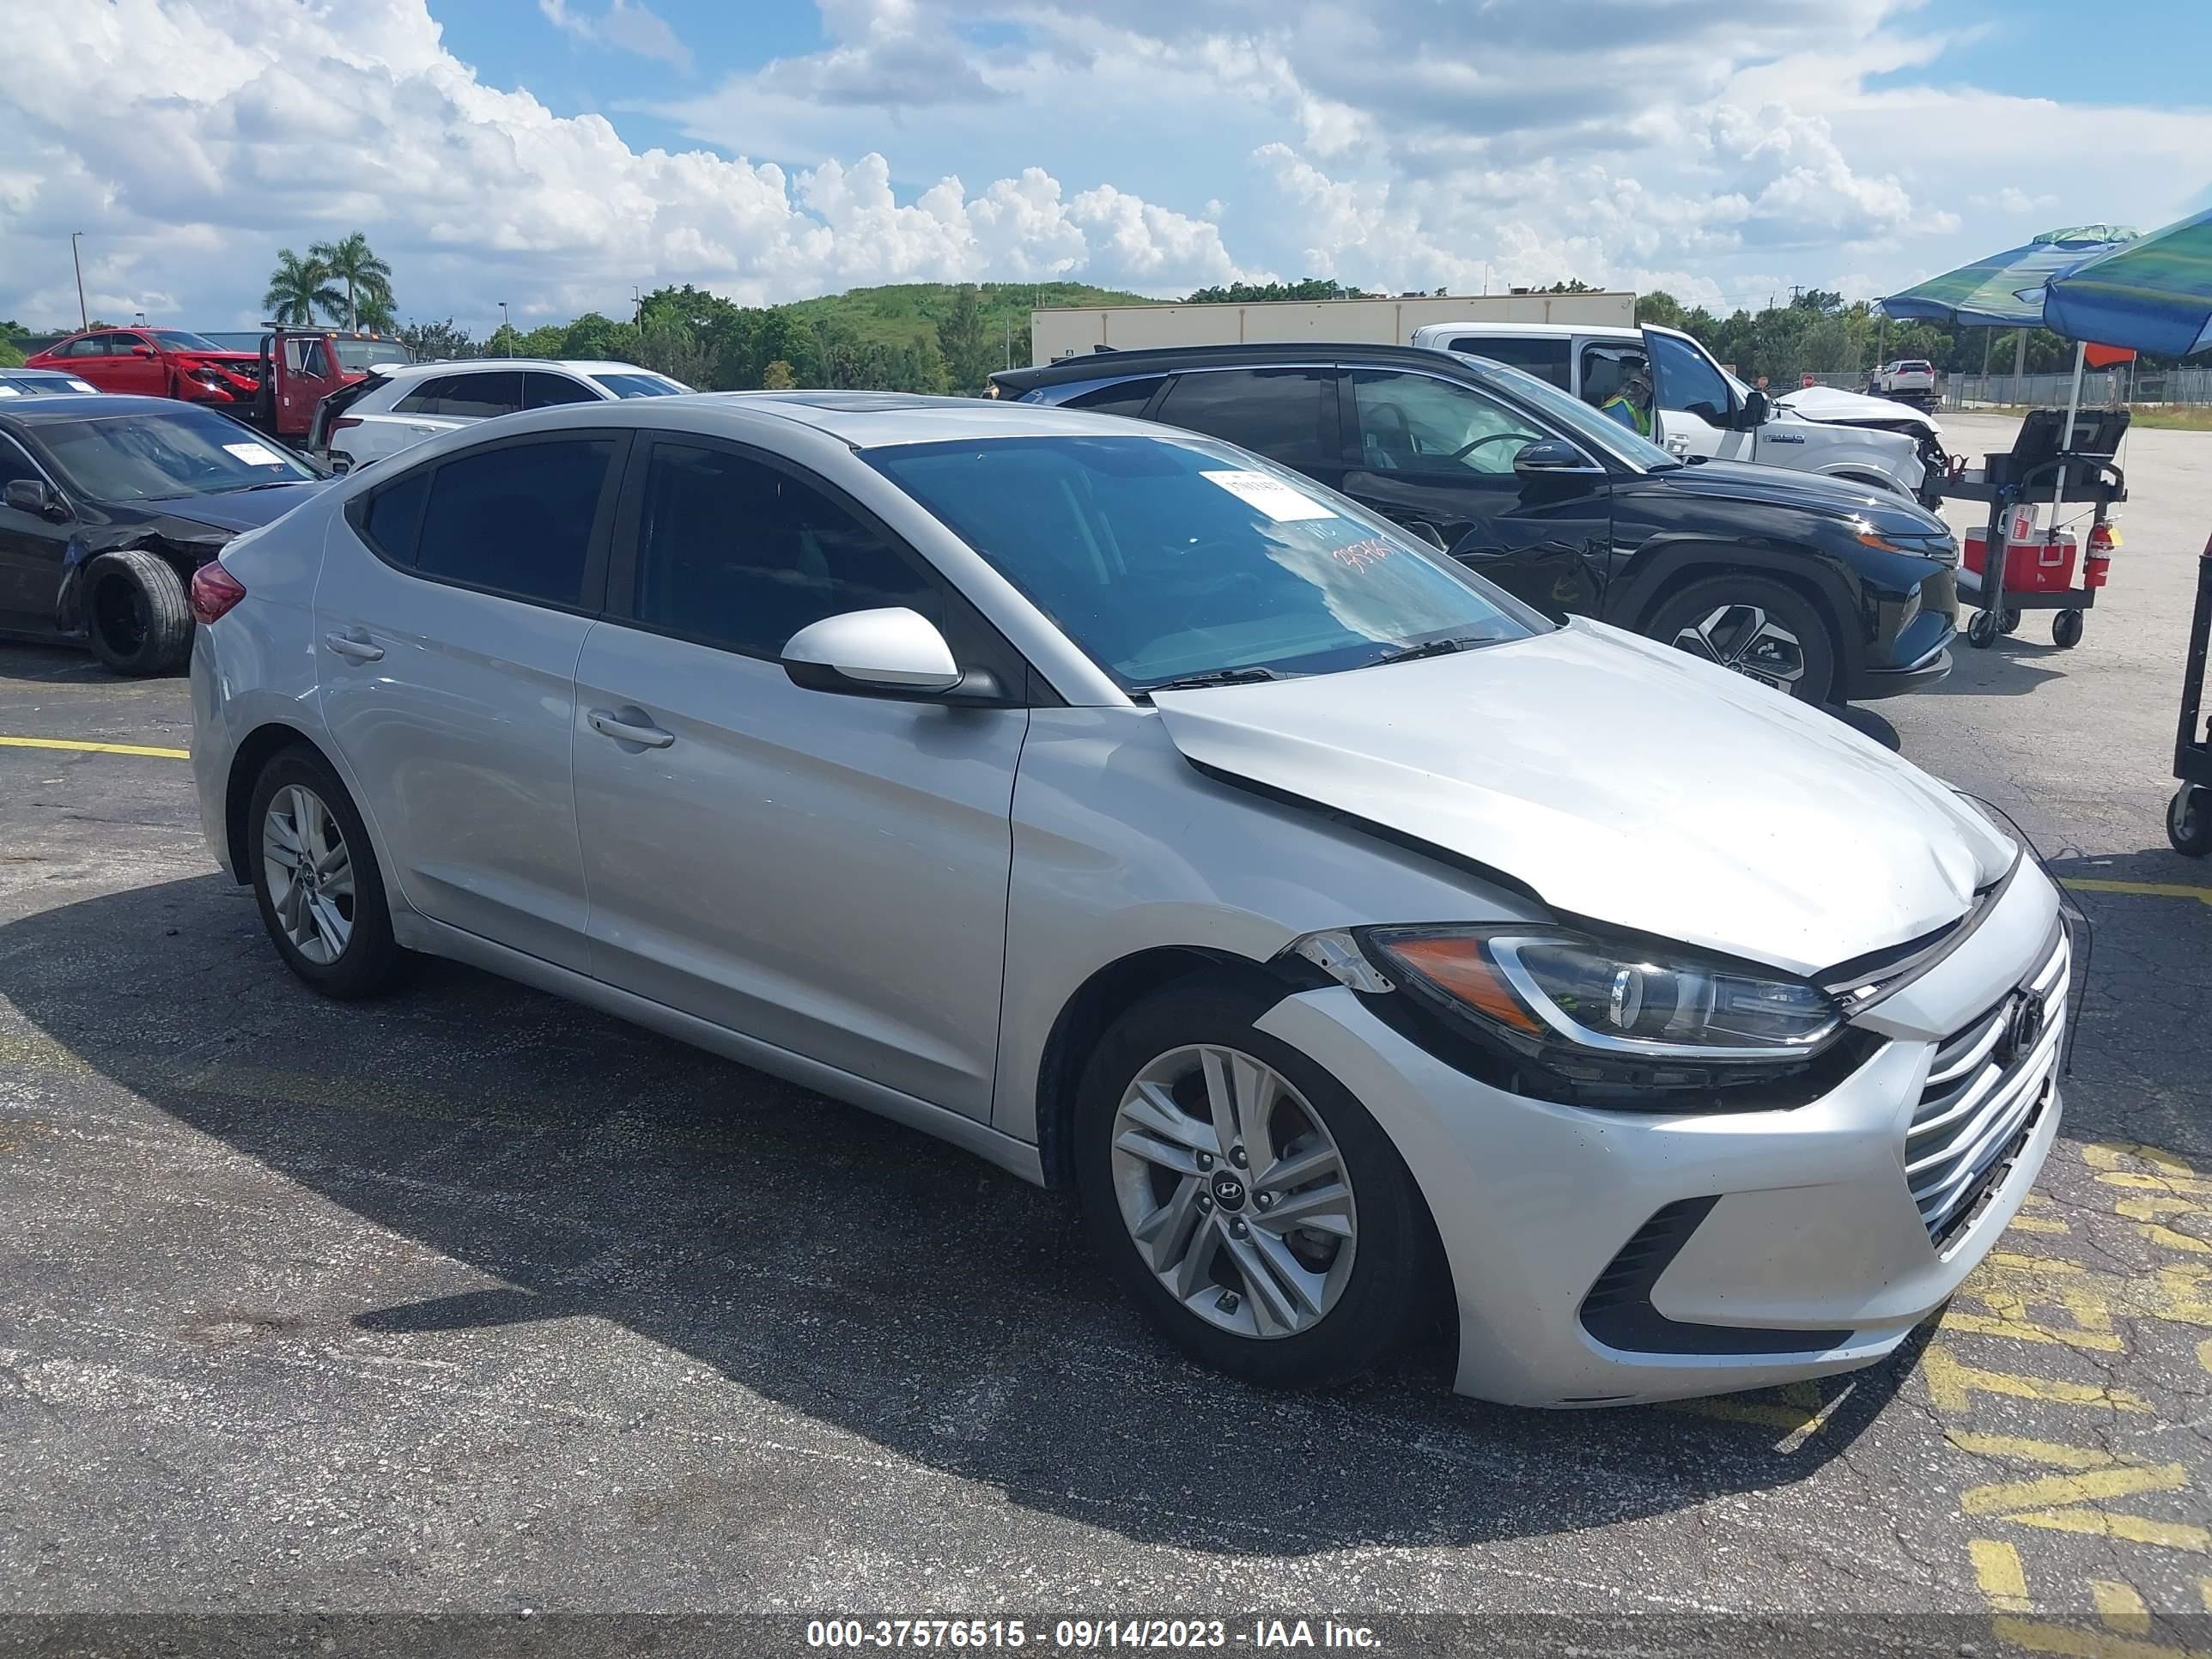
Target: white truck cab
1700,409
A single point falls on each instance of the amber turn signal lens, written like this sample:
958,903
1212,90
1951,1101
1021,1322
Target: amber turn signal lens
1458,966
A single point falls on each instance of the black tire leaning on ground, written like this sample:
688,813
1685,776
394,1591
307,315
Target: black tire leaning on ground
1688,609
373,960
136,617
1393,1276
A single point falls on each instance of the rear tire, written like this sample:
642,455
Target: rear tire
2066,630
1982,632
1223,1269
134,614
1754,626
316,881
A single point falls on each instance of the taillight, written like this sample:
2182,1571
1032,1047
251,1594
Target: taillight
345,422
214,591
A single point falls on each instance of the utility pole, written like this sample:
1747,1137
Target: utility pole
637,299
83,317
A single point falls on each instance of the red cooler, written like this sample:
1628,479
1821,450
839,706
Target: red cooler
2040,562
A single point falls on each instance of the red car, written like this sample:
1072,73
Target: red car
275,388
157,362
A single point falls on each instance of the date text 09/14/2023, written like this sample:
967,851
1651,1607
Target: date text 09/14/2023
1083,1635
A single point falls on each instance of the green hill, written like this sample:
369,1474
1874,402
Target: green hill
906,313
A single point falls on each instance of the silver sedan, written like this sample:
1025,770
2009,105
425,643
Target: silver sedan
1154,823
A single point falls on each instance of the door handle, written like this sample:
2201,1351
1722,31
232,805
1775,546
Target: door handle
607,724
353,649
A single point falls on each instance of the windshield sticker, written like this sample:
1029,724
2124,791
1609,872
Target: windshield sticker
256,454
1278,500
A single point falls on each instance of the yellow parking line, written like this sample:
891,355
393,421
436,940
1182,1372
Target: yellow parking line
76,747
2154,889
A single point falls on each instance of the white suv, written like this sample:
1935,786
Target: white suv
1703,409
400,404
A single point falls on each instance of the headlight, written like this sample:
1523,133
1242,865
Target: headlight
1573,1016
1613,1000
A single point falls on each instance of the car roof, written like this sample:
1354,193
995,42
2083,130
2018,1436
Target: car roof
1161,360
870,420
87,405
1535,331
461,365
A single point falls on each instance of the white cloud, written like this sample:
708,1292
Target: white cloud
236,126
627,24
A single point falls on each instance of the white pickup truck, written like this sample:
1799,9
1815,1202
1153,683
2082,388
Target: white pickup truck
1700,409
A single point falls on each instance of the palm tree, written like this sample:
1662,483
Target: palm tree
297,287
365,275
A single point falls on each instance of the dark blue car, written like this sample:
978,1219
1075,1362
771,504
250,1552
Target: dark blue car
42,383
109,504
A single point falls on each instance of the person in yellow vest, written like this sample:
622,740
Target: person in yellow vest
1631,404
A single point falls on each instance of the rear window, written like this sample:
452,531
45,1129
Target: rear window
641,386
1122,398
1546,359
395,513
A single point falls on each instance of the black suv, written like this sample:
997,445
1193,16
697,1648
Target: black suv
1829,591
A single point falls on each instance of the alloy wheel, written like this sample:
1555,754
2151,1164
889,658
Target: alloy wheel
1234,1191
1746,638
309,870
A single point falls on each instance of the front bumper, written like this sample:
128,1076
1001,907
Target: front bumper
1808,1249
1875,684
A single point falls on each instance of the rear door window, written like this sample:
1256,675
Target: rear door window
426,396
1288,414
481,396
394,515
517,519
1548,358
547,390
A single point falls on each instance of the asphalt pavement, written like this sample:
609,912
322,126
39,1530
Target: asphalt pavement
472,1300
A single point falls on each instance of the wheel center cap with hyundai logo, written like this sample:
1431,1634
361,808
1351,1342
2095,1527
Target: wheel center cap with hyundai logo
1228,1190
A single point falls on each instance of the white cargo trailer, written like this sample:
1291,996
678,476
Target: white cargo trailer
1067,330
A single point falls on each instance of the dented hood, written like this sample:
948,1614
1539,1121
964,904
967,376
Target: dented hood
1834,404
1625,783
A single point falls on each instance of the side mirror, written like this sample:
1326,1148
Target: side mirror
1551,455
1428,532
1753,412
32,495
142,351
891,653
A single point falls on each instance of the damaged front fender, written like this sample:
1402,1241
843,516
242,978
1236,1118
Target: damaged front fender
179,543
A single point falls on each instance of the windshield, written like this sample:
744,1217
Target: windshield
140,457
641,385
356,355
178,339
1598,431
1163,557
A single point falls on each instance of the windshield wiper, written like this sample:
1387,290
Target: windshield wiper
269,483
1443,647
1216,676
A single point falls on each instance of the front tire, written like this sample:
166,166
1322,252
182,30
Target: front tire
2189,821
136,618
316,881
1753,626
2066,630
1243,1197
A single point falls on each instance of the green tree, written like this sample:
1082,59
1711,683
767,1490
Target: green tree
429,342
504,342
1308,288
961,336
10,357
365,277
299,288
778,377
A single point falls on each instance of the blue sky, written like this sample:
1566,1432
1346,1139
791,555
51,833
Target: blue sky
555,153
